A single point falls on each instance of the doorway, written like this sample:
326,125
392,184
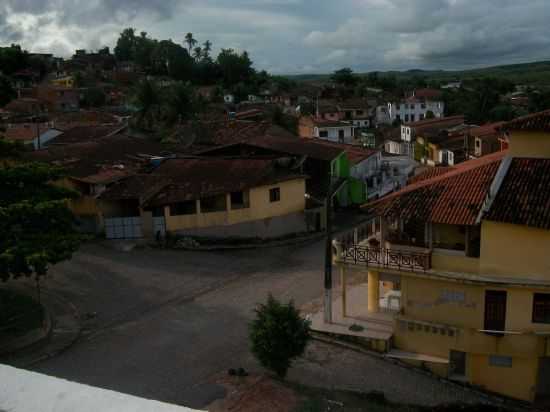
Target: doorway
495,310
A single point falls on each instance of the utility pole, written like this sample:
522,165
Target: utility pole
328,260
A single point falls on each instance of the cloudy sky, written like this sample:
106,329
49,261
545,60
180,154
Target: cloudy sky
300,36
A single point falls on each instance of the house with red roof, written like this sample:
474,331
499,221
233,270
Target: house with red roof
458,270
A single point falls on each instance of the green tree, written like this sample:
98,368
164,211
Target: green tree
12,59
37,226
278,335
126,45
197,53
206,49
234,67
181,104
7,93
190,41
148,102
430,115
344,77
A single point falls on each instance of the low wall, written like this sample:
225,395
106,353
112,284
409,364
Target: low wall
265,228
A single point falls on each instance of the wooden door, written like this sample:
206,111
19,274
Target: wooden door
495,310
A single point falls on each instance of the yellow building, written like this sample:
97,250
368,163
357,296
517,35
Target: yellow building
66,82
209,197
465,259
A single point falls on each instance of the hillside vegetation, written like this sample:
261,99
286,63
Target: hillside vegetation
536,73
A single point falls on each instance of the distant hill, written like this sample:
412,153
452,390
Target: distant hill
536,73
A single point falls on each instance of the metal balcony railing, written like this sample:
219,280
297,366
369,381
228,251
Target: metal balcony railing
405,260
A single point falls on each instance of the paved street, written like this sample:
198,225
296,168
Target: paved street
168,321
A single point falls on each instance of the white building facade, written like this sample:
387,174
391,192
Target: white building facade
413,110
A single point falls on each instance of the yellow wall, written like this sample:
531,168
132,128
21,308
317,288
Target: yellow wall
427,310
515,251
519,381
292,201
530,144
67,82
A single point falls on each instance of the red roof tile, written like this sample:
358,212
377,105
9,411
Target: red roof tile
430,173
534,122
194,178
524,196
455,197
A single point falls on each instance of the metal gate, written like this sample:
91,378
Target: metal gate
159,227
123,228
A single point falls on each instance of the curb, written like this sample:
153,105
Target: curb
64,331
268,244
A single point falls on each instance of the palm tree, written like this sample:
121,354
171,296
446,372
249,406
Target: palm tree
206,49
197,53
191,42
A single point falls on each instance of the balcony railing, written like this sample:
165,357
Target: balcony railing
405,260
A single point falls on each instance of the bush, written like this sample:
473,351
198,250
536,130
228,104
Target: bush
278,335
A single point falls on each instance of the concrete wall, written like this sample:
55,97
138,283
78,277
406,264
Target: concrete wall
519,381
264,228
515,251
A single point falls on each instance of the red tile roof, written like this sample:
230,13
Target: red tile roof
430,173
533,122
428,94
24,132
356,154
438,122
524,196
88,133
455,197
194,178
486,130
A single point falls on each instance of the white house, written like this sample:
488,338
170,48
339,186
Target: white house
334,131
414,109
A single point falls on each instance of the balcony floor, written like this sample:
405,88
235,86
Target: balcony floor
377,326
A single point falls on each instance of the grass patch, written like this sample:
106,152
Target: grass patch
19,314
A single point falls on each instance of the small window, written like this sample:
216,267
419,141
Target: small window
323,133
183,208
240,200
500,361
275,194
406,118
213,204
541,308
359,112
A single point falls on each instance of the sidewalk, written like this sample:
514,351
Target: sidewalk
64,332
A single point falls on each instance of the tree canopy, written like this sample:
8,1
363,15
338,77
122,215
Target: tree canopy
36,225
344,77
278,335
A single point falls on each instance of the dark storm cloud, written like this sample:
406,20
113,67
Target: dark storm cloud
302,35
